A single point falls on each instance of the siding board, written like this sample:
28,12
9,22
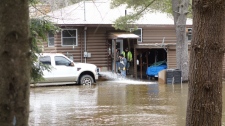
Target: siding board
171,59
156,35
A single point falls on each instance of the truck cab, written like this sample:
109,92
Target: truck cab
64,71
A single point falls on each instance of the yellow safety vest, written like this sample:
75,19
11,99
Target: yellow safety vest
129,55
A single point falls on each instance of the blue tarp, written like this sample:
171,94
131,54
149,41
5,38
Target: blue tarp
155,69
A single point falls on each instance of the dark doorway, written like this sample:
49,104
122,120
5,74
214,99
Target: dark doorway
149,57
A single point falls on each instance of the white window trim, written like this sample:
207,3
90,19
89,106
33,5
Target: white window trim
53,40
68,37
141,33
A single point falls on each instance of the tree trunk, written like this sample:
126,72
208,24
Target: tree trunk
14,63
180,9
207,50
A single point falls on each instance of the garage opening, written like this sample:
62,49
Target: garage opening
151,61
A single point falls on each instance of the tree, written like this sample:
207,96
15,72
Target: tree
15,63
207,51
179,9
16,47
39,27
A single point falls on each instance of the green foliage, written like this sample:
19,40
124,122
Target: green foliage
33,1
39,28
130,3
126,22
141,7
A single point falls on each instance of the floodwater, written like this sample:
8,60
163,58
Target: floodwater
110,103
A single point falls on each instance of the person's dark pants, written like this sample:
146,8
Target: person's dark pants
128,66
117,66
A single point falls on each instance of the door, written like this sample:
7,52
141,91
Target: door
119,44
62,70
47,75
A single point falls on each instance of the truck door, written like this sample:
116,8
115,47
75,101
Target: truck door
46,60
63,71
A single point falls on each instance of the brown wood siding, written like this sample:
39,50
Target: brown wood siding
58,48
171,59
156,35
96,45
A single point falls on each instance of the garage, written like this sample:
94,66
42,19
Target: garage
148,57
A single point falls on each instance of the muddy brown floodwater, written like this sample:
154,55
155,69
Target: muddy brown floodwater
110,103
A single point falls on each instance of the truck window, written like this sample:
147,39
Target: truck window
45,60
60,60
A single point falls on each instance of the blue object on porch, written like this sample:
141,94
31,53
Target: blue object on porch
154,69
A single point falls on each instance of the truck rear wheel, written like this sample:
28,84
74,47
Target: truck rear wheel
86,79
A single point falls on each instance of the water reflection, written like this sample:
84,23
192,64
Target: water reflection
109,103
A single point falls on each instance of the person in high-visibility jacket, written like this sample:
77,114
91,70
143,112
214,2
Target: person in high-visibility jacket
128,55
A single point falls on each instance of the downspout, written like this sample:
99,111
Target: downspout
85,32
85,42
81,50
107,41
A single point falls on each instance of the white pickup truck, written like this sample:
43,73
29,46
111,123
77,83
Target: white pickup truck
65,71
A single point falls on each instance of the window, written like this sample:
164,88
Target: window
189,34
137,31
69,37
51,39
45,60
59,60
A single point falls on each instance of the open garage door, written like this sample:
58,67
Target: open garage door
155,58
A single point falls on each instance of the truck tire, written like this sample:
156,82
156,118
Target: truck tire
86,79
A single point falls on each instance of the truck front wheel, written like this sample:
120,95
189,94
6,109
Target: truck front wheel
86,79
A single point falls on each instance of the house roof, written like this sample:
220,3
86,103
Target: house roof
99,12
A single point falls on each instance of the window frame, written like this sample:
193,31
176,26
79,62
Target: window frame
63,58
141,39
189,34
53,40
69,37
39,59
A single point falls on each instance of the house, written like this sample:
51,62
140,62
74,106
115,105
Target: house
87,36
